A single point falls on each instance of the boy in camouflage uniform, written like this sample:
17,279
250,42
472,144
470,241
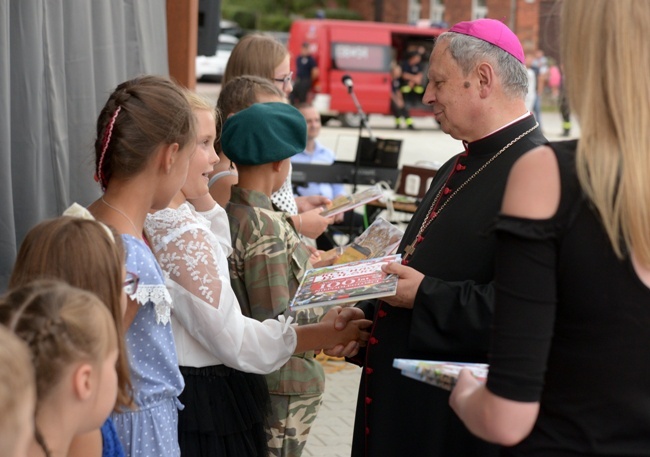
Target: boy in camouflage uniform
269,259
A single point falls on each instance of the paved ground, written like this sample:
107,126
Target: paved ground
331,434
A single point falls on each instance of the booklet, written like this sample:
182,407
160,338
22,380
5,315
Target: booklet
346,283
380,239
345,203
438,373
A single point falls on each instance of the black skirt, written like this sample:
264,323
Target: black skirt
225,413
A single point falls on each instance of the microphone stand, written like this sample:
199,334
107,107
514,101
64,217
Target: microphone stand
357,160
363,124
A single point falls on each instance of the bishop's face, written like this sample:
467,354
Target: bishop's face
453,96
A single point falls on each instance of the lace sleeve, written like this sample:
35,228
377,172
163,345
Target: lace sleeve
184,251
219,227
205,304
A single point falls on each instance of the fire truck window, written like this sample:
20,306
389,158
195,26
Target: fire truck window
361,57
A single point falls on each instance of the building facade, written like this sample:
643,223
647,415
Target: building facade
534,21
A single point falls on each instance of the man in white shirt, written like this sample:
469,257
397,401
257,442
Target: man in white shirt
316,153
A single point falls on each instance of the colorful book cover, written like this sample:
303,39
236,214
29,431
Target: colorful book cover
346,283
347,202
380,239
438,373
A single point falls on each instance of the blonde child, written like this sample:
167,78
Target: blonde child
218,348
145,138
73,344
86,254
17,395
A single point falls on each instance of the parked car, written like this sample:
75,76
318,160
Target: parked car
230,28
213,67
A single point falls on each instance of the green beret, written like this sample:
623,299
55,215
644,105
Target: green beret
264,133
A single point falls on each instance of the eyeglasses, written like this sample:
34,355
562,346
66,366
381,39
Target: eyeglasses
130,284
286,81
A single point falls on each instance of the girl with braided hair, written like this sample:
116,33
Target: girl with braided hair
72,341
145,138
17,395
86,254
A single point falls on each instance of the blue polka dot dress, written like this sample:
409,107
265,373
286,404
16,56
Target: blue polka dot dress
151,429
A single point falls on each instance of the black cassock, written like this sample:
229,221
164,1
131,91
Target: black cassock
450,319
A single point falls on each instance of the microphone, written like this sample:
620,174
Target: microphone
347,82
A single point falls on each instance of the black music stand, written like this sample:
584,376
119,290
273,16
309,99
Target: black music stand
381,153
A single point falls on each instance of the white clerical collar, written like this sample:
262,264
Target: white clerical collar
523,116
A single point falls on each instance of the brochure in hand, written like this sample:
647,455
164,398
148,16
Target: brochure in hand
346,283
438,373
347,202
380,239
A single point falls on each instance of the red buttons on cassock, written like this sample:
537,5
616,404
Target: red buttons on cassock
460,167
368,400
382,313
447,191
373,340
367,431
369,370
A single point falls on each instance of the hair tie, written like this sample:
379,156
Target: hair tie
105,141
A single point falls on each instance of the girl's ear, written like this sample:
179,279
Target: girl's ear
82,383
277,165
168,156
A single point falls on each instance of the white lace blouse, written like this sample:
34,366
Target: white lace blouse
209,328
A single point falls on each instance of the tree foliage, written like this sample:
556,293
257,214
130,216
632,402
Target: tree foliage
278,14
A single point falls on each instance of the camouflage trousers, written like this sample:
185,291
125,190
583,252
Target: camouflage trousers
290,422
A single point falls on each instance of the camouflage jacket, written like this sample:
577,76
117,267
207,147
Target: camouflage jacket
266,266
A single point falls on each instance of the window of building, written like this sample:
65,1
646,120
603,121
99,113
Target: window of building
479,9
413,14
437,11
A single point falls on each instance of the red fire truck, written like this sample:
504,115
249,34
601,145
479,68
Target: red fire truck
364,51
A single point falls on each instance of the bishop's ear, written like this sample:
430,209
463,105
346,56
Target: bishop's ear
486,78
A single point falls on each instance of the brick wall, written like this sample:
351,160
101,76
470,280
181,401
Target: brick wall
457,11
365,8
391,10
525,23
396,11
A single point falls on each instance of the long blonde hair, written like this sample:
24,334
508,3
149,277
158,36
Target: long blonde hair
61,325
81,253
17,387
257,55
606,56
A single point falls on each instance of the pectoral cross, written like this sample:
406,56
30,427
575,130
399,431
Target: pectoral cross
410,249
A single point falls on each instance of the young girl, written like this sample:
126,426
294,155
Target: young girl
86,254
264,56
145,138
216,343
17,395
73,343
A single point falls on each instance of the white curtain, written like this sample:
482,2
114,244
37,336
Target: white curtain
59,61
